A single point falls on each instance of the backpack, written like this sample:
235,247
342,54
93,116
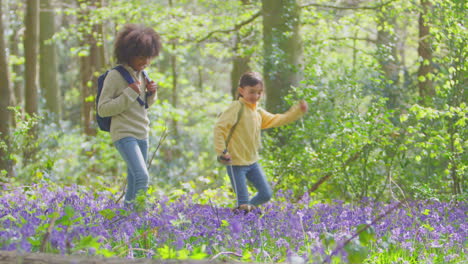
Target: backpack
104,123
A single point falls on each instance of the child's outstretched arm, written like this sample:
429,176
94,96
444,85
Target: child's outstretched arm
270,120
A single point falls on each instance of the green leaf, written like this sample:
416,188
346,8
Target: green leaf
224,223
199,253
90,98
88,242
367,235
166,252
356,253
404,118
65,220
107,214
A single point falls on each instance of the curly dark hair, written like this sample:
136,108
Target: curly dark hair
136,40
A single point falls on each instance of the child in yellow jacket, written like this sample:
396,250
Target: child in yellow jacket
237,139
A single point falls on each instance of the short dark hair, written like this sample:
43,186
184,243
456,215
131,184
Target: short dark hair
136,40
250,79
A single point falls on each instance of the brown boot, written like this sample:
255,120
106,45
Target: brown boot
246,208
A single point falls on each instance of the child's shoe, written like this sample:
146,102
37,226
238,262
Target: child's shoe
246,208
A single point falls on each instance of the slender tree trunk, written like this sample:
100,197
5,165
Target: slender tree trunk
175,77
174,84
97,64
240,64
86,91
86,75
425,84
282,50
200,76
5,101
48,61
387,54
14,42
31,49
90,66
17,81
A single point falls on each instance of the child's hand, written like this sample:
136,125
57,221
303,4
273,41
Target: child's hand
151,87
225,159
303,105
136,87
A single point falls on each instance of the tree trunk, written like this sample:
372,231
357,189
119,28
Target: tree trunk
425,84
31,52
97,64
31,49
18,69
48,61
175,77
86,91
174,84
14,42
5,101
90,66
282,50
240,64
387,54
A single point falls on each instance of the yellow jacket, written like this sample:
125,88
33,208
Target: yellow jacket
245,141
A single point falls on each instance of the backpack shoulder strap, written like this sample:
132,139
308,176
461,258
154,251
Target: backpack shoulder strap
239,115
125,74
147,78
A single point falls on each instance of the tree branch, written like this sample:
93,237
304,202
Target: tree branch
348,7
353,38
236,27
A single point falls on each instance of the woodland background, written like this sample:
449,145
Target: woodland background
385,81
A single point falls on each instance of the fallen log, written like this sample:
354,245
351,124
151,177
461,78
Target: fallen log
15,257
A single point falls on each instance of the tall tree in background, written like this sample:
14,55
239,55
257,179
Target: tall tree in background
5,101
48,60
175,77
387,54
90,64
282,50
31,49
16,26
240,63
425,84
31,53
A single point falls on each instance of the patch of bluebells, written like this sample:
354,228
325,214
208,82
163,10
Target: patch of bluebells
308,230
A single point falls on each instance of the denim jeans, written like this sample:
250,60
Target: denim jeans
256,176
135,153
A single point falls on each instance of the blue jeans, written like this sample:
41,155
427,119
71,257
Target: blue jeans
135,153
256,176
